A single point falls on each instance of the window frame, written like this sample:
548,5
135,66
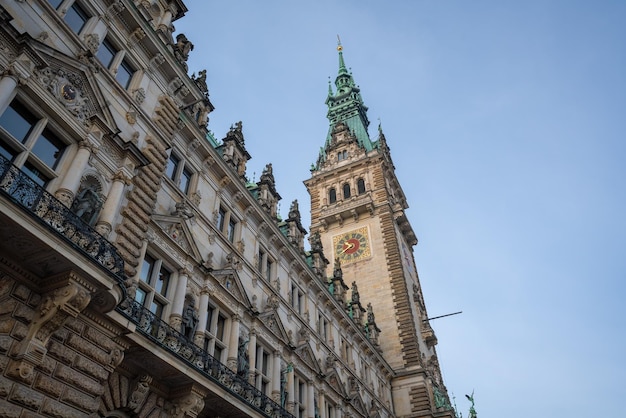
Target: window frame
216,332
360,185
332,195
227,224
180,169
41,134
148,284
347,192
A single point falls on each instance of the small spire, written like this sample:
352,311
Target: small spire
330,89
342,65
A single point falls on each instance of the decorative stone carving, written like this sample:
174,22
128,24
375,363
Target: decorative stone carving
68,89
92,42
182,48
140,392
70,294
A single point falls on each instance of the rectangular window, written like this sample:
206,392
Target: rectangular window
25,138
227,224
297,298
216,324
124,73
179,172
76,17
299,397
154,280
263,370
221,218
55,3
106,53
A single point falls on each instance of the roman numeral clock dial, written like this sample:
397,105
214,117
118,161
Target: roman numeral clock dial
352,246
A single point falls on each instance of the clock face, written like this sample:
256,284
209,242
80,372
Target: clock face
352,246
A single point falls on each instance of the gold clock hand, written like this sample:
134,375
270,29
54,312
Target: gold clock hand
349,246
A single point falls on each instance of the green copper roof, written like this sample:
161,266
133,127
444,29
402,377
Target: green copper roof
346,105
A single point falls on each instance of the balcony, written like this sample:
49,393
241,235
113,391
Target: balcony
166,337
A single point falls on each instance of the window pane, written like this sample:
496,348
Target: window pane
231,230
172,165
55,3
106,53
146,269
221,215
184,181
217,352
76,18
332,196
346,191
49,148
7,152
124,74
140,295
34,173
17,121
221,323
156,308
163,281
361,186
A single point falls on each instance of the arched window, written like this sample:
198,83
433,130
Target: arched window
360,185
332,195
346,191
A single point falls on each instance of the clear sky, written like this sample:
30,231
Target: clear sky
507,126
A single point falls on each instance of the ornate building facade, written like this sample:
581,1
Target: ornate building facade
142,274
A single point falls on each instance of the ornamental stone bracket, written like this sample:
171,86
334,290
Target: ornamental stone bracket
188,405
66,294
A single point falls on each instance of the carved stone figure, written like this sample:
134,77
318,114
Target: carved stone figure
190,320
182,47
355,293
243,364
87,204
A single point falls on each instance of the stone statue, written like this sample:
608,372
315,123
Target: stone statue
370,314
190,320
294,212
182,47
200,81
243,364
87,204
355,293
337,273
316,242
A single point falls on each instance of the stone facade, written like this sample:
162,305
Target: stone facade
141,273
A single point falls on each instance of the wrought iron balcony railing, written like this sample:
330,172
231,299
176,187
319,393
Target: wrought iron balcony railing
178,344
18,187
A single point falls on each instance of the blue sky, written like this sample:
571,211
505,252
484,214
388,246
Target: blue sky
507,126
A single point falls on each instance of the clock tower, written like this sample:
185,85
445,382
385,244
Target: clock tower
358,208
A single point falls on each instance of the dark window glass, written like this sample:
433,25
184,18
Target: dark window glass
17,121
7,152
76,17
163,281
346,191
49,148
156,308
221,324
185,178
231,230
172,165
217,352
106,53
146,269
360,185
35,174
221,215
55,3
124,74
332,196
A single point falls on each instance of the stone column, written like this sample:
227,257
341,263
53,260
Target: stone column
310,399
233,343
179,299
290,390
322,403
202,316
109,209
252,356
69,186
276,377
18,71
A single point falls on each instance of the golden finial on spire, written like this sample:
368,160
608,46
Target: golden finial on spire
339,47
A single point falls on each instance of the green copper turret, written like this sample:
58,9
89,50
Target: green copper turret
346,105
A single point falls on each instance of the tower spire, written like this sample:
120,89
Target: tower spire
346,105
